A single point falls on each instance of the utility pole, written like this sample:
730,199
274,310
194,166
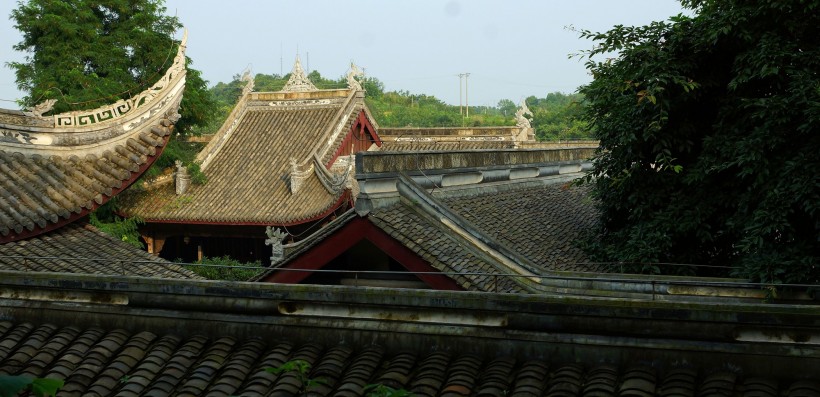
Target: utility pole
460,94
467,93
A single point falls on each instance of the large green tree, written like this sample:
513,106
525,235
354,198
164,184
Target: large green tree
86,53
710,139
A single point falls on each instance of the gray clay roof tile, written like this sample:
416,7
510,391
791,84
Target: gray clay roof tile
548,222
249,174
64,169
443,251
78,248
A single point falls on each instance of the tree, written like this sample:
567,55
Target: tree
710,134
507,106
87,53
558,116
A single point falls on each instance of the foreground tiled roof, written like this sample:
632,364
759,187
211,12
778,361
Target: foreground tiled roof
56,169
542,223
78,248
116,362
248,168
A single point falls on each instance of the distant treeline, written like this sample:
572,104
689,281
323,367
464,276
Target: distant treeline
555,116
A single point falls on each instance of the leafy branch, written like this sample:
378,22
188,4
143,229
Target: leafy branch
11,385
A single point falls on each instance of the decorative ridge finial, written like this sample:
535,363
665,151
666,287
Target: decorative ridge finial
247,77
523,110
298,81
40,108
275,237
354,72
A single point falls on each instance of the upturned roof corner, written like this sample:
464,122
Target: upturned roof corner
56,169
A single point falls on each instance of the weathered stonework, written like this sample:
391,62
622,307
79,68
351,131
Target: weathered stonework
181,178
275,237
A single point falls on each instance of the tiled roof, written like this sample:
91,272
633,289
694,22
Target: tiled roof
467,138
453,145
56,169
440,248
248,178
78,248
427,145
116,362
495,238
542,223
248,164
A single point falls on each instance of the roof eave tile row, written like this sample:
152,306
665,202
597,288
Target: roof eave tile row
95,361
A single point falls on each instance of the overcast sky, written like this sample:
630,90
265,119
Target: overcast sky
512,49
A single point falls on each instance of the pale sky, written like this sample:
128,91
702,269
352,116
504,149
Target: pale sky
512,49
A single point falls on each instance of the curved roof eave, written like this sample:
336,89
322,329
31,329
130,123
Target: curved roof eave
56,169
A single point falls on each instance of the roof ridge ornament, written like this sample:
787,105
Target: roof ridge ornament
182,179
298,175
275,237
525,130
40,108
247,77
521,121
144,99
298,81
354,72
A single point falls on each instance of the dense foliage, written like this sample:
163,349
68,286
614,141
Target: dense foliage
556,116
709,129
225,268
13,385
88,53
124,229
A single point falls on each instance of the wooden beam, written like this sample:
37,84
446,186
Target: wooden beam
346,237
410,260
321,254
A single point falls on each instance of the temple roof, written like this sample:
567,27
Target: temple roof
542,225
56,169
491,220
519,136
191,337
109,362
548,221
493,240
269,164
78,248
